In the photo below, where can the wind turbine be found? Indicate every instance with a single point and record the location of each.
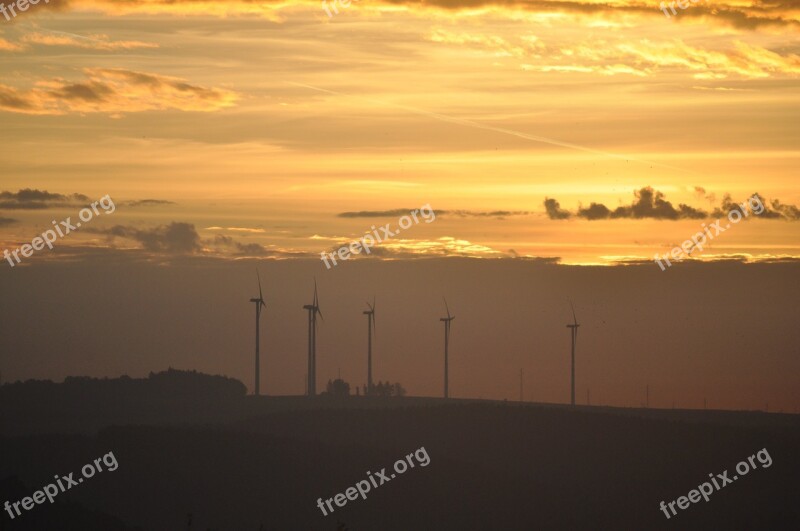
(370, 324)
(313, 310)
(259, 305)
(574, 333)
(446, 321)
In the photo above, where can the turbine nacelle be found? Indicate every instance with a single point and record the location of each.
(449, 317)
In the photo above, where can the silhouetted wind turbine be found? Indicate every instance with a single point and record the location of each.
(370, 323)
(313, 310)
(446, 321)
(574, 332)
(259, 305)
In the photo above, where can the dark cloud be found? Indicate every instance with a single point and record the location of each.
(7, 221)
(113, 90)
(701, 192)
(790, 212)
(554, 210)
(92, 92)
(652, 204)
(760, 207)
(594, 211)
(31, 199)
(649, 203)
(12, 100)
(175, 238)
(241, 249)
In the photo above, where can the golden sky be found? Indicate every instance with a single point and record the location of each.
(276, 118)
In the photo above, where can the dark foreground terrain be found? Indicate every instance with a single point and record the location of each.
(188, 444)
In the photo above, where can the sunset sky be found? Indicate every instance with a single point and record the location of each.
(254, 131)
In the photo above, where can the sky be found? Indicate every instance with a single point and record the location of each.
(563, 136)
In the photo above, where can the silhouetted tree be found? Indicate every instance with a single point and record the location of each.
(338, 387)
(388, 389)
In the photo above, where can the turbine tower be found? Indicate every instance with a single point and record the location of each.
(574, 332)
(446, 321)
(259, 305)
(370, 324)
(313, 310)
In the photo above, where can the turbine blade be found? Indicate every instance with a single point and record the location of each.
(446, 307)
(574, 319)
(260, 295)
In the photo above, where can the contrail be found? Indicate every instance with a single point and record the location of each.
(511, 132)
(39, 28)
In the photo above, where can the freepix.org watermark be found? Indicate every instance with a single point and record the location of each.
(698, 241)
(706, 489)
(60, 229)
(364, 486)
(343, 3)
(371, 239)
(62, 484)
(22, 5)
(683, 4)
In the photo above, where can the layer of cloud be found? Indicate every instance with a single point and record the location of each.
(114, 90)
(652, 204)
(620, 54)
(174, 238)
(743, 16)
(147, 203)
(181, 238)
(32, 199)
(7, 221)
(408, 248)
(236, 248)
(237, 229)
(399, 212)
(89, 42)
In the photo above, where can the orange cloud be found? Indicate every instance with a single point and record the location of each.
(8, 46)
(114, 90)
(91, 42)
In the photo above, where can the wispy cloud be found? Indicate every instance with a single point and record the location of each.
(397, 212)
(89, 42)
(114, 90)
(237, 229)
(8, 46)
(147, 203)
